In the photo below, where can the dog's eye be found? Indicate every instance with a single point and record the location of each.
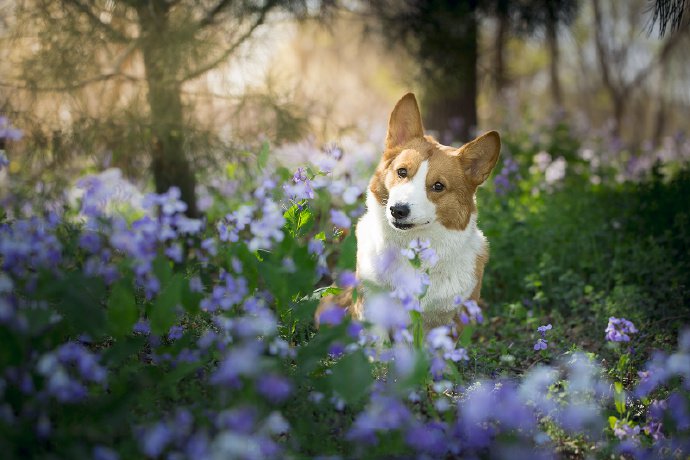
(402, 172)
(438, 187)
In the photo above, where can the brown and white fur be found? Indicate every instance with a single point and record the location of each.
(403, 205)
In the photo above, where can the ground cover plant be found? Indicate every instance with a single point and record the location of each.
(129, 330)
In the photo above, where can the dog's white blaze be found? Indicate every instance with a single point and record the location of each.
(413, 194)
(453, 275)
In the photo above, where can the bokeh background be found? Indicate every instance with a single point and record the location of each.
(168, 90)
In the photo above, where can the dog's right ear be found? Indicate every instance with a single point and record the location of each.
(405, 123)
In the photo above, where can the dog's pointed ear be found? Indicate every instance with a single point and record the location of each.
(479, 157)
(405, 123)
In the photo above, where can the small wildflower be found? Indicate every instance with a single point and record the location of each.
(340, 219)
(347, 279)
(540, 345)
(469, 310)
(618, 329)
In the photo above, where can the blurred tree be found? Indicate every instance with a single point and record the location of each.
(531, 16)
(622, 73)
(443, 34)
(165, 43)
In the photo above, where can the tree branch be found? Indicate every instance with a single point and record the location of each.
(73, 86)
(660, 57)
(232, 48)
(213, 12)
(96, 21)
(603, 55)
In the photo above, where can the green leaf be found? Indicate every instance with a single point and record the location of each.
(118, 353)
(348, 252)
(79, 298)
(351, 377)
(122, 309)
(417, 329)
(163, 314)
(262, 159)
(619, 398)
(466, 335)
(190, 299)
(162, 268)
(612, 421)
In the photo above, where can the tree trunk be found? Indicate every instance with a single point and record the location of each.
(169, 163)
(500, 78)
(554, 57)
(619, 103)
(451, 98)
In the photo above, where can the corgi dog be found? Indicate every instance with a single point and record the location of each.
(422, 189)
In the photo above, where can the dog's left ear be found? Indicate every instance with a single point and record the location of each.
(479, 157)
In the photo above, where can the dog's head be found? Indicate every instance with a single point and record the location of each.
(421, 182)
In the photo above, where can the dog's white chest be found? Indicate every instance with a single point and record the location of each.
(379, 260)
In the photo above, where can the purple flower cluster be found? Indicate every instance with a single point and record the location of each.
(68, 370)
(468, 310)
(421, 250)
(28, 245)
(301, 188)
(618, 330)
(229, 292)
(542, 343)
(264, 229)
(506, 178)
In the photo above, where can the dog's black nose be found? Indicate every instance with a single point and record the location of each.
(400, 211)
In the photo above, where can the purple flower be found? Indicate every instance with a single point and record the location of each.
(458, 354)
(267, 228)
(174, 252)
(540, 345)
(187, 226)
(315, 247)
(340, 219)
(301, 188)
(90, 241)
(384, 413)
(142, 327)
(618, 329)
(241, 420)
(421, 248)
(334, 151)
(85, 361)
(502, 181)
(175, 333)
(427, 438)
(274, 388)
(542, 329)
(336, 349)
(347, 279)
(104, 453)
(332, 316)
(239, 361)
(4, 161)
(385, 312)
(8, 132)
(170, 202)
(156, 439)
(470, 311)
(622, 429)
